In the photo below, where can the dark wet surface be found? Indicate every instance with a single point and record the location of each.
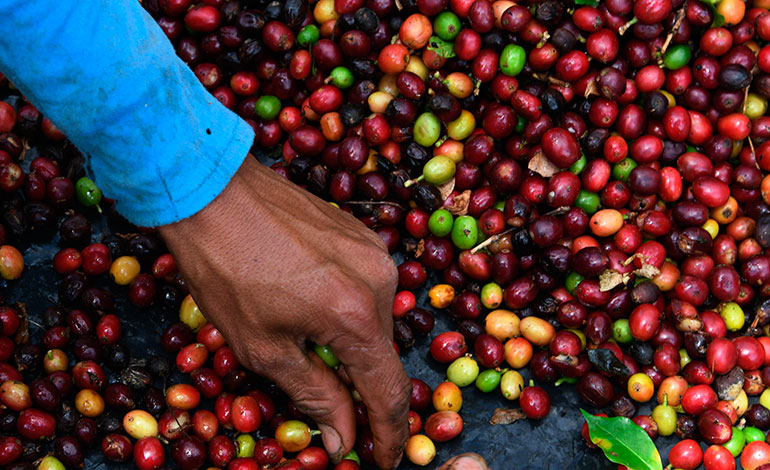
(551, 444)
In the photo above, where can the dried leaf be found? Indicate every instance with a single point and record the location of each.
(420, 248)
(24, 148)
(541, 165)
(410, 245)
(135, 377)
(610, 278)
(606, 361)
(565, 359)
(460, 203)
(446, 189)
(506, 416)
(647, 270)
(591, 89)
(22, 333)
(631, 258)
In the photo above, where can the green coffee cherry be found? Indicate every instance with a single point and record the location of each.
(427, 129)
(244, 445)
(737, 442)
(621, 331)
(511, 385)
(491, 295)
(579, 165)
(447, 26)
(677, 57)
(733, 315)
(50, 463)
(465, 232)
(342, 77)
(88, 193)
(622, 169)
(588, 201)
(488, 380)
(665, 418)
(463, 371)
(439, 170)
(268, 107)
(308, 35)
(327, 355)
(512, 60)
(440, 222)
(572, 281)
(751, 434)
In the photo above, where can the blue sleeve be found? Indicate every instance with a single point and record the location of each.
(103, 71)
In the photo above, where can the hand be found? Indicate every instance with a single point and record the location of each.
(273, 267)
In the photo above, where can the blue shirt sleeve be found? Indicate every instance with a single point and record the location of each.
(103, 71)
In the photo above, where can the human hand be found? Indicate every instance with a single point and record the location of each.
(273, 267)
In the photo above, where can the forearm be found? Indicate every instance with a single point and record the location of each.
(103, 72)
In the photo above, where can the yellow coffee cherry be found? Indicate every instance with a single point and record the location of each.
(124, 269)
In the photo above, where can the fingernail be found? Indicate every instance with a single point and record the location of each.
(332, 441)
(398, 460)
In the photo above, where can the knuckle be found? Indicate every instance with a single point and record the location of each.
(264, 362)
(355, 303)
(364, 322)
(262, 359)
(384, 271)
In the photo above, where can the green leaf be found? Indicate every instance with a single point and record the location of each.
(719, 20)
(590, 3)
(442, 48)
(623, 442)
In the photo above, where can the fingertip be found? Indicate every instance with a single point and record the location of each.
(332, 440)
(338, 428)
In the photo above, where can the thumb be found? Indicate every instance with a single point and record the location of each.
(318, 393)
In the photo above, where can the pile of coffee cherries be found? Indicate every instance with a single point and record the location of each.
(583, 182)
(70, 385)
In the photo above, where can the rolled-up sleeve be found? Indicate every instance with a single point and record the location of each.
(103, 71)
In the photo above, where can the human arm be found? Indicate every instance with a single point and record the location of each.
(333, 282)
(160, 145)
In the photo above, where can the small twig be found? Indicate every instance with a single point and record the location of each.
(751, 143)
(182, 427)
(24, 147)
(491, 240)
(755, 322)
(544, 39)
(375, 203)
(558, 211)
(543, 77)
(745, 99)
(622, 30)
(670, 35)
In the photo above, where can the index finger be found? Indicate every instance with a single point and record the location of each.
(380, 379)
